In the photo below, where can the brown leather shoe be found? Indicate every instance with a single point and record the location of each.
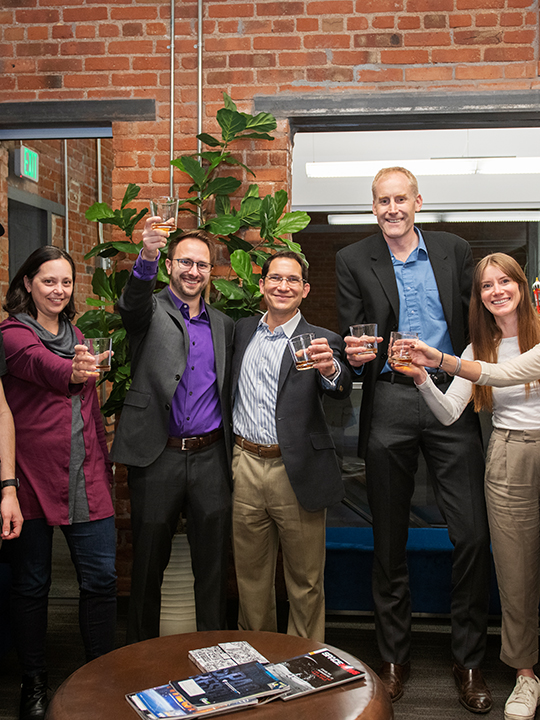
(393, 677)
(474, 694)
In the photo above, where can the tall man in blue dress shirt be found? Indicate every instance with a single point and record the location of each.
(409, 280)
(284, 462)
(175, 429)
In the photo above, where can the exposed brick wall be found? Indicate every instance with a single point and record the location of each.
(87, 49)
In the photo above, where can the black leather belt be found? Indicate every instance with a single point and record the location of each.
(394, 377)
(195, 443)
(263, 451)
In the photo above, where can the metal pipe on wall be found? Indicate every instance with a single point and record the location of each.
(199, 84)
(171, 129)
(66, 197)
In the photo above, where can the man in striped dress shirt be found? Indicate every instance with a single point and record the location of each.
(285, 468)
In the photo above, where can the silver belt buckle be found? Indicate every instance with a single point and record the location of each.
(184, 447)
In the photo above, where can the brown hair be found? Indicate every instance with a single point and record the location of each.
(19, 300)
(484, 332)
(202, 235)
(390, 171)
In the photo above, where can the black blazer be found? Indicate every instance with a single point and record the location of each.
(306, 445)
(367, 292)
(159, 344)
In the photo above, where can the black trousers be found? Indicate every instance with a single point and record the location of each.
(196, 484)
(401, 425)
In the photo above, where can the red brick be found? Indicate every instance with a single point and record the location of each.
(479, 72)
(36, 49)
(230, 9)
(303, 59)
(404, 57)
(332, 25)
(460, 21)
(331, 74)
(330, 7)
(6, 17)
(31, 17)
(511, 19)
(409, 22)
(38, 32)
(280, 75)
(430, 6)
(85, 31)
(477, 37)
(134, 79)
(152, 62)
(477, 4)
(530, 18)
(520, 3)
(129, 47)
(378, 40)
(18, 66)
(256, 27)
(307, 24)
(59, 65)
(226, 44)
(231, 77)
(18, 3)
(253, 60)
(85, 14)
(351, 57)
(283, 25)
(228, 27)
(39, 82)
(85, 81)
(523, 70)
(82, 48)
(456, 55)
(357, 23)
(14, 34)
(508, 54)
(279, 42)
(383, 21)
(429, 74)
(368, 7)
(435, 21)
(519, 37)
(487, 20)
(109, 30)
(134, 12)
(157, 28)
(267, 9)
(105, 63)
(427, 39)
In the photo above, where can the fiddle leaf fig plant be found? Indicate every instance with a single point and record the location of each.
(213, 199)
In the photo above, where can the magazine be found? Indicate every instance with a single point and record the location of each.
(314, 671)
(225, 655)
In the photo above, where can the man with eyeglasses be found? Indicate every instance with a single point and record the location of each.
(285, 467)
(175, 428)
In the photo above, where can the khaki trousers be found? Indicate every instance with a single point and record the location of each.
(265, 513)
(512, 495)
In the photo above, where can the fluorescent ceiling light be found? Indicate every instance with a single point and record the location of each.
(442, 217)
(435, 166)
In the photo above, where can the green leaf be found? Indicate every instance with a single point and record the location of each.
(191, 166)
(229, 160)
(250, 209)
(228, 102)
(131, 193)
(221, 186)
(94, 302)
(222, 205)
(241, 264)
(223, 224)
(263, 122)
(292, 222)
(229, 289)
(231, 123)
(101, 285)
(291, 245)
(236, 243)
(209, 140)
(280, 202)
(255, 136)
(252, 191)
(259, 257)
(98, 211)
(129, 248)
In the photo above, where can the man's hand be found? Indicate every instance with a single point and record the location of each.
(154, 239)
(355, 349)
(321, 353)
(12, 519)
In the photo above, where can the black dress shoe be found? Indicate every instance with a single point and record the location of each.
(393, 676)
(474, 694)
(34, 699)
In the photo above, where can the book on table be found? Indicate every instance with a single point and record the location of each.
(224, 655)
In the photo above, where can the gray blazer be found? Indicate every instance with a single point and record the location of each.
(367, 293)
(306, 445)
(159, 344)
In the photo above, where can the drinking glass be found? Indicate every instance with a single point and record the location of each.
(399, 352)
(165, 208)
(364, 331)
(298, 346)
(101, 349)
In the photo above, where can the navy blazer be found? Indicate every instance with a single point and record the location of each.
(304, 439)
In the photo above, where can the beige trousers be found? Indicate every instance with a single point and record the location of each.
(512, 488)
(265, 513)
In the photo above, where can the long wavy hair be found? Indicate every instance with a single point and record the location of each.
(484, 332)
(19, 300)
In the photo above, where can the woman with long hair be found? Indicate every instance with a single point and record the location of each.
(502, 325)
(62, 465)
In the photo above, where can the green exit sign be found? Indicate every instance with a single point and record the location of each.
(26, 163)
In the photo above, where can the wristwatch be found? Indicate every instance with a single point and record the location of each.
(12, 482)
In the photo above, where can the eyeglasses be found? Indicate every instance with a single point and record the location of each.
(187, 264)
(292, 280)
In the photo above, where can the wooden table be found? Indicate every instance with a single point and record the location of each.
(97, 690)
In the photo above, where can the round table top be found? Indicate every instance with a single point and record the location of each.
(98, 689)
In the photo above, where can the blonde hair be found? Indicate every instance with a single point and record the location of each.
(390, 171)
(484, 332)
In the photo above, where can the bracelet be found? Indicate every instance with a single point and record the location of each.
(442, 360)
(12, 482)
(457, 368)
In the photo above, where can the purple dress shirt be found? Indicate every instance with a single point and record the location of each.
(195, 406)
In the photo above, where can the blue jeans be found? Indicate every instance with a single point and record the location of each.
(93, 549)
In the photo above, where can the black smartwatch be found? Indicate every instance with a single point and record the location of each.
(12, 482)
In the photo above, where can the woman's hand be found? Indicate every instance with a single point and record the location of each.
(83, 366)
(424, 355)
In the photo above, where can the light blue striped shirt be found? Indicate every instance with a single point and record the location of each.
(254, 412)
